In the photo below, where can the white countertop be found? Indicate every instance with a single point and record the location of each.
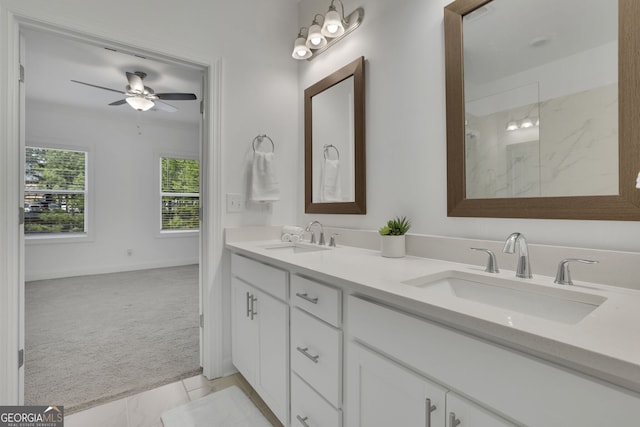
(604, 344)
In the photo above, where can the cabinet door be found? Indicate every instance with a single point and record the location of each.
(272, 317)
(381, 393)
(463, 413)
(244, 330)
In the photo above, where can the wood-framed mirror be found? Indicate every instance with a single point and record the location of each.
(334, 142)
(621, 201)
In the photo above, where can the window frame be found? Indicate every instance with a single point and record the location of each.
(55, 238)
(178, 156)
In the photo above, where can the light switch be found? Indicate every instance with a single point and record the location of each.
(235, 203)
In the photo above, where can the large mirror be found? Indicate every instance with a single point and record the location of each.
(334, 142)
(541, 100)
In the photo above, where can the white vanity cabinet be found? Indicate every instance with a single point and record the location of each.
(501, 387)
(260, 330)
(316, 354)
(383, 393)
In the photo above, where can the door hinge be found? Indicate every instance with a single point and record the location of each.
(20, 358)
(201, 107)
(21, 215)
(21, 79)
(202, 320)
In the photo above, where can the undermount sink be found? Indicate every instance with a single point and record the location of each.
(556, 304)
(294, 248)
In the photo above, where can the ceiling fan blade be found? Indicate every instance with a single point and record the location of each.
(176, 96)
(122, 101)
(165, 107)
(135, 82)
(96, 86)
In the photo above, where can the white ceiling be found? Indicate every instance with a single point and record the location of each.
(498, 37)
(52, 61)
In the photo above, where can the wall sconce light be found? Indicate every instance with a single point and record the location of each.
(525, 123)
(334, 27)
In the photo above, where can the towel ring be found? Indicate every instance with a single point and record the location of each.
(260, 138)
(326, 149)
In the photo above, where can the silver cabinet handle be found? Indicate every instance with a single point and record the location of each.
(305, 351)
(306, 297)
(248, 304)
(453, 421)
(303, 421)
(430, 409)
(253, 312)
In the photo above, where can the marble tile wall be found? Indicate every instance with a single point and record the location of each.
(572, 152)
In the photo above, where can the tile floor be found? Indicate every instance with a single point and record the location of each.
(144, 409)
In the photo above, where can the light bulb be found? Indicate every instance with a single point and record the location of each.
(512, 125)
(300, 49)
(316, 40)
(526, 123)
(140, 103)
(332, 26)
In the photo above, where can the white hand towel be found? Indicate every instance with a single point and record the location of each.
(264, 182)
(286, 237)
(330, 190)
(292, 229)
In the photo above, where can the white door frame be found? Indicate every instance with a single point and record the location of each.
(11, 268)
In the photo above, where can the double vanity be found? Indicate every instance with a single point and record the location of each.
(340, 336)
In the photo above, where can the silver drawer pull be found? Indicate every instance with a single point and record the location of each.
(253, 301)
(248, 304)
(305, 351)
(453, 421)
(306, 297)
(430, 409)
(303, 421)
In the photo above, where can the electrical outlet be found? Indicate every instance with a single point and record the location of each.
(235, 202)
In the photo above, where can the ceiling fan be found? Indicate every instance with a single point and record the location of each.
(143, 98)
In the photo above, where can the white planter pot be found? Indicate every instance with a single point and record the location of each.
(393, 246)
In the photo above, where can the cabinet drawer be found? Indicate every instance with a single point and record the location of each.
(316, 350)
(308, 407)
(270, 279)
(318, 299)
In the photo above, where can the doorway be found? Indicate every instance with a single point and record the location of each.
(208, 195)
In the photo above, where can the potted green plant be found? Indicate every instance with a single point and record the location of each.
(393, 237)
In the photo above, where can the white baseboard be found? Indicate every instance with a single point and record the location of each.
(100, 269)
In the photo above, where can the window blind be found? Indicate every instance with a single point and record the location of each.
(180, 194)
(55, 190)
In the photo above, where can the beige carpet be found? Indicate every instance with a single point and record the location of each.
(91, 339)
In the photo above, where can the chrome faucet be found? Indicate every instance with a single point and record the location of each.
(563, 276)
(313, 236)
(523, 268)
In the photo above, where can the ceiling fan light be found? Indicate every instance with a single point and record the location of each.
(140, 103)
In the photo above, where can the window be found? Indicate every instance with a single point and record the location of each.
(180, 194)
(55, 191)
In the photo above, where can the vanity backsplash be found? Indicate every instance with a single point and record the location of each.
(615, 268)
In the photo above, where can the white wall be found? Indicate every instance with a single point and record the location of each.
(123, 191)
(252, 41)
(403, 44)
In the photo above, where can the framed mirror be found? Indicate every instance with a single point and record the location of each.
(542, 109)
(334, 142)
